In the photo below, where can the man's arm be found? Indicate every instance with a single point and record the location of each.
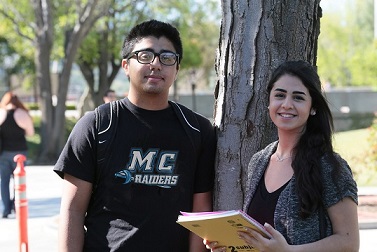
(74, 203)
(202, 202)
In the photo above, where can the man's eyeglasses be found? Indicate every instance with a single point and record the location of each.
(147, 57)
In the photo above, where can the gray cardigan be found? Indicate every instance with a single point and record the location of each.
(286, 217)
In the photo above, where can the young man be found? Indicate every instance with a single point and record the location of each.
(161, 160)
(109, 96)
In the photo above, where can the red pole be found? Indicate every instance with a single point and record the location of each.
(21, 203)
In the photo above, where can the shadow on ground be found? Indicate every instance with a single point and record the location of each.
(45, 207)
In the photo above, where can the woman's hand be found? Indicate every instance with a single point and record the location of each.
(277, 241)
(212, 246)
(253, 238)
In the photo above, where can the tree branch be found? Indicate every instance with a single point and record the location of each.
(16, 22)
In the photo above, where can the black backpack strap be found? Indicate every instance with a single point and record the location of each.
(189, 121)
(106, 125)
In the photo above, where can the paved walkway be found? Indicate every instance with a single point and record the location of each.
(43, 193)
(43, 189)
(367, 210)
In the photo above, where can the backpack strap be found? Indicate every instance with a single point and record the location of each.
(189, 121)
(106, 116)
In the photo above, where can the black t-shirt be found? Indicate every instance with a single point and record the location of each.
(152, 174)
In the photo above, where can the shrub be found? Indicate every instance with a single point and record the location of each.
(371, 158)
(35, 141)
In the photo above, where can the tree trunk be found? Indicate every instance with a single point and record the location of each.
(255, 37)
(85, 103)
(107, 67)
(91, 97)
(43, 44)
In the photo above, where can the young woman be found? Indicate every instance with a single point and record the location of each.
(303, 191)
(15, 124)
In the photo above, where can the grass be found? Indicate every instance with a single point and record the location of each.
(353, 146)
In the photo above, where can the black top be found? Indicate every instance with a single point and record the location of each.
(12, 135)
(263, 204)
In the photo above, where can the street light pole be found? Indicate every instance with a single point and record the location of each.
(193, 87)
(375, 19)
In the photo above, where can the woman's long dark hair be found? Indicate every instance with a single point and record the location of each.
(9, 97)
(316, 140)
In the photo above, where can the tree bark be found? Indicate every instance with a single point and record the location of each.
(255, 37)
(43, 44)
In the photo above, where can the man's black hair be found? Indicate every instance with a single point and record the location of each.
(153, 28)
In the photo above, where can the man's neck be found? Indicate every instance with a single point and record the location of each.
(150, 102)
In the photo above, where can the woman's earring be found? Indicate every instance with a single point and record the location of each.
(312, 112)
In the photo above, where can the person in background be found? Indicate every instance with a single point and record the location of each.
(15, 125)
(154, 170)
(109, 96)
(298, 186)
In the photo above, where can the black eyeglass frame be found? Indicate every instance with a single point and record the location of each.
(154, 56)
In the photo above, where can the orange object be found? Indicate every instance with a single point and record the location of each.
(21, 203)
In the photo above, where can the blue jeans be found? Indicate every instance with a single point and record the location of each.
(7, 166)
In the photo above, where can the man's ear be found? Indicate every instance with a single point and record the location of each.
(125, 66)
(176, 74)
